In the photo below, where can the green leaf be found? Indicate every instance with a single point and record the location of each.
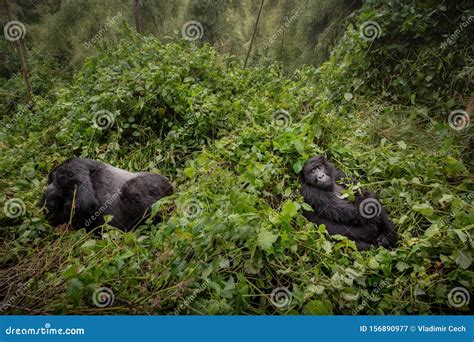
(424, 209)
(88, 244)
(402, 266)
(318, 307)
(316, 289)
(327, 246)
(402, 144)
(290, 209)
(71, 272)
(190, 171)
(373, 264)
(446, 198)
(464, 259)
(266, 239)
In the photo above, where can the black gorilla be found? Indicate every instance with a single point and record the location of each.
(364, 221)
(81, 191)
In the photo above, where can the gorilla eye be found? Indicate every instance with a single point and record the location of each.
(316, 169)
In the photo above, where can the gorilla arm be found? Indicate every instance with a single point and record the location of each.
(364, 237)
(328, 205)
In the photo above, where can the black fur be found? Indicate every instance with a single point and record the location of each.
(339, 215)
(97, 189)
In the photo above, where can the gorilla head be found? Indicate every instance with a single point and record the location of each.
(82, 191)
(318, 172)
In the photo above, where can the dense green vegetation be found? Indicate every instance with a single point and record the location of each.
(233, 141)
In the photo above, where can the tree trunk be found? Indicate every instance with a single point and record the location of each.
(254, 33)
(136, 14)
(21, 56)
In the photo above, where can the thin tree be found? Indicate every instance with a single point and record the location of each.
(21, 56)
(136, 15)
(254, 33)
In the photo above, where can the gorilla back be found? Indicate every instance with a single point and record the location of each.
(82, 191)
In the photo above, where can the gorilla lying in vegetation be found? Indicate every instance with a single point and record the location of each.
(364, 221)
(82, 191)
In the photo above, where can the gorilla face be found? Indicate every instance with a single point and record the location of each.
(319, 172)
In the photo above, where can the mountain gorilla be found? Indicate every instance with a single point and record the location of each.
(82, 191)
(364, 221)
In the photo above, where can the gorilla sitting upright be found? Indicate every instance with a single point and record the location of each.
(82, 191)
(364, 221)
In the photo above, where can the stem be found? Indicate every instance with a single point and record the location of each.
(253, 35)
